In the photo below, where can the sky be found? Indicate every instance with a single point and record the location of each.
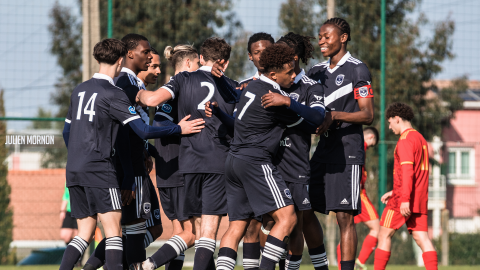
(28, 71)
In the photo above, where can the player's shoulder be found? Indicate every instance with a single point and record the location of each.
(125, 79)
(317, 68)
(412, 135)
(247, 80)
(308, 81)
(231, 80)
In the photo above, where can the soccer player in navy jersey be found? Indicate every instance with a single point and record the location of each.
(257, 133)
(170, 182)
(90, 132)
(337, 161)
(204, 181)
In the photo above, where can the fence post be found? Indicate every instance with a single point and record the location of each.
(445, 232)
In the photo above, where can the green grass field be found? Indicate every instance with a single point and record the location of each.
(303, 267)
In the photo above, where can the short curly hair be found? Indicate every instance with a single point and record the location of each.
(274, 57)
(258, 37)
(214, 49)
(401, 110)
(301, 44)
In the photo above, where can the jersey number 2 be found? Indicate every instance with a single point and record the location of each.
(252, 98)
(211, 90)
(90, 103)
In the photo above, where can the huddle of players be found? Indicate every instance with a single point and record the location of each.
(280, 104)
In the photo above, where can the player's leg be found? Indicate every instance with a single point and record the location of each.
(251, 245)
(369, 217)
(227, 254)
(417, 224)
(113, 238)
(295, 245)
(154, 223)
(348, 237)
(69, 228)
(176, 263)
(314, 238)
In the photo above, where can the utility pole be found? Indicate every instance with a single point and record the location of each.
(330, 9)
(382, 149)
(90, 36)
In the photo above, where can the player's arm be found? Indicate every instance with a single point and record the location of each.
(66, 128)
(406, 152)
(211, 108)
(146, 132)
(168, 91)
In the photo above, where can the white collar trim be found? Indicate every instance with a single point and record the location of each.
(267, 80)
(206, 68)
(129, 71)
(257, 75)
(299, 76)
(339, 64)
(103, 77)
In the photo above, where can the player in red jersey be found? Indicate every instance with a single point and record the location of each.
(407, 202)
(369, 215)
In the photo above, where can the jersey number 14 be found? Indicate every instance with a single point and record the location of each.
(89, 108)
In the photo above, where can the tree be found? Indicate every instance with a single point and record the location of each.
(42, 124)
(166, 22)
(6, 221)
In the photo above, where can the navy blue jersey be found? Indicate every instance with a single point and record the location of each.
(258, 130)
(166, 166)
(97, 108)
(256, 76)
(293, 157)
(203, 152)
(129, 144)
(343, 85)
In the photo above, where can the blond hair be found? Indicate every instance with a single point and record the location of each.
(176, 55)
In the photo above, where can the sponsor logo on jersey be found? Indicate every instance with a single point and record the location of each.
(339, 79)
(306, 201)
(344, 201)
(167, 108)
(351, 156)
(284, 142)
(131, 109)
(363, 91)
(318, 97)
(156, 213)
(146, 207)
(287, 193)
(295, 96)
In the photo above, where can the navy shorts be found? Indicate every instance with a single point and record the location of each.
(335, 187)
(155, 216)
(254, 189)
(69, 222)
(140, 207)
(204, 194)
(89, 201)
(172, 199)
(300, 197)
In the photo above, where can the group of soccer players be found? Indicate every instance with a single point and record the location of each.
(237, 148)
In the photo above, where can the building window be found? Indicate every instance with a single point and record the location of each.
(461, 166)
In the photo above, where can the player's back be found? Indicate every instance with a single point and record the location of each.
(203, 152)
(96, 110)
(258, 130)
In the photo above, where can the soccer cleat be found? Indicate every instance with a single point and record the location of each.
(359, 265)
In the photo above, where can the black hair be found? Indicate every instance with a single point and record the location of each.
(275, 56)
(153, 51)
(257, 37)
(374, 131)
(301, 44)
(132, 40)
(400, 109)
(109, 51)
(341, 24)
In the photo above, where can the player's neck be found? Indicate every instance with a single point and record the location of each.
(109, 70)
(297, 68)
(337, 57)
(405, 126)
(129, 65)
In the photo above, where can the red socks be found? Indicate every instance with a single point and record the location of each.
(430, 260)
(369, 244)
(339, 256)
(381, 259)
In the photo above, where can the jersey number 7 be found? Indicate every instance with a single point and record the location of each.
(90, 103)
(252, 98)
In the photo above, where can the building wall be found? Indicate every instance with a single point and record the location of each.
(463, 201)
(36, 197)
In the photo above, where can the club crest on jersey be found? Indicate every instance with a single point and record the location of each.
(167, 108)
(339, 79)
(287, 193)
(131, 109)
(156, 213)
(295, 96)
(146, 207)
(363, 91)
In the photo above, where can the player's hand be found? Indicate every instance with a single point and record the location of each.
(275, 99)
(193, 126)
(326, 124)
(127, 196)
(210, 108)
(219, 67)
(386, 197)
(405, 209)
(62, 215)
(243, 85)
(149, 164)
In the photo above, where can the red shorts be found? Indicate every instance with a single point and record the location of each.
(392, 219)
(368, 211)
